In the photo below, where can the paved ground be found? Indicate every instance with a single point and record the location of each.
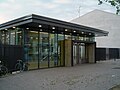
(100, 76)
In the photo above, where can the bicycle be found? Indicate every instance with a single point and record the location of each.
(21, 66)
(3, 69)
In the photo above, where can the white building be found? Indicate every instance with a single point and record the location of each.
(105, 21)
(107, 47)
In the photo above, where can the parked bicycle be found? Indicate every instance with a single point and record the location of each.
(21, 66)
(3, 69)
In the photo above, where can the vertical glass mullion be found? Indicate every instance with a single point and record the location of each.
(38, 49)
(5, 38)
(48, 47)
(15, 37)
(9, 36)
(41, 47)
(55, 50)
(57, 47)
(0, 37)
(1, 42)
(59, 56)
(64, 49)
(24, 42)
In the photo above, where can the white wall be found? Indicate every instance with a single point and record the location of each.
(104, 21)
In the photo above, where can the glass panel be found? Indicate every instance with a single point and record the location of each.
(12, 37)
(3, 37)
(43, 49)
(86, 38)
(51, 53)
(74, 53)
(60, 49)
(0, 37)
(53, 50)
(74, 37)
(81, 38)
(19, 36)
(82, 45)
(92, 38)
(7, 37)
(68, 37)
(31, 47)
(79, 56)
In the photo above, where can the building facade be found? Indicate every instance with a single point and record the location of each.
(44, 42)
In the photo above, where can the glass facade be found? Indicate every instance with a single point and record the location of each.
(42, 48)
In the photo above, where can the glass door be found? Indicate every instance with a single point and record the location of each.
(78, 53)
(53, 56)
(82, 52)
(43, 49)
(32, 49)
(74, 53)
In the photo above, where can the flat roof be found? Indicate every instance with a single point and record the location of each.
(34, 20)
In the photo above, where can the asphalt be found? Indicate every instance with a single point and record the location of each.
(100, 76)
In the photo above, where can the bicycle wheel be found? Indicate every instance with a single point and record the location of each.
(4, 70)
(18, 67)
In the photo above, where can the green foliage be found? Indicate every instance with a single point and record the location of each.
(115, 3)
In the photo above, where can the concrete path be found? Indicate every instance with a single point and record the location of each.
(100, 76)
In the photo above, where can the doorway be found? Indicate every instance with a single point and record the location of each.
(78, 53)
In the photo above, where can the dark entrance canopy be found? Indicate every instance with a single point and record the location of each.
(34, 21)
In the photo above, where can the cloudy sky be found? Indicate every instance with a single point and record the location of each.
(59, 9)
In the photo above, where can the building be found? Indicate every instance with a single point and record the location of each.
(44, 42)
(108, 47)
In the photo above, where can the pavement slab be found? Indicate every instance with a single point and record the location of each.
(100, 76)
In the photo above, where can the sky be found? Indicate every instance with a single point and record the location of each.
(65, 10)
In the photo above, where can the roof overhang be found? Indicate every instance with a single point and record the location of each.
(33, 19)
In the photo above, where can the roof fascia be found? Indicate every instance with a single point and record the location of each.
(68, 25)
(16, 22)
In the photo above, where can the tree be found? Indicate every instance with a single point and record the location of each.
(115, 3)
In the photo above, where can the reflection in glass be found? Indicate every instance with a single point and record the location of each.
(74, 37)
(60, 49)
(53, 56)
(82, 51)
(68, 37)
(43, 49)
(31, 47)
(7, 37)
(3, 37)
(19, 37)
(12, 37)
